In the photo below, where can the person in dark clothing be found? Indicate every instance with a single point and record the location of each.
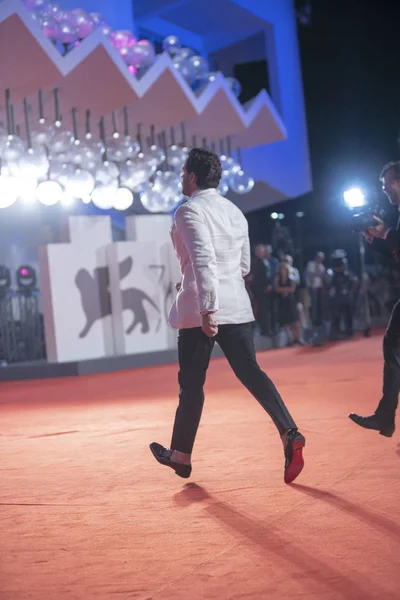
(263, 270)
(341, 294)
(386, 241)
(285, 288)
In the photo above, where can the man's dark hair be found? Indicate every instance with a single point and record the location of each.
(206, 166)
(394, 165)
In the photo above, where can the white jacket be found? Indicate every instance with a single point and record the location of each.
(211, 240)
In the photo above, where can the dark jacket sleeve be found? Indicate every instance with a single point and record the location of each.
(390, 247)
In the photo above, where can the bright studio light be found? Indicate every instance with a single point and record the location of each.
(274, 216)
(354, 198)
(49, 192)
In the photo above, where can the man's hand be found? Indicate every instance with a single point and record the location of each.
(209, 325)
(379, 230)
(368, 236)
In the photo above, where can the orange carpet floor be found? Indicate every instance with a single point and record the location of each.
(86, 512)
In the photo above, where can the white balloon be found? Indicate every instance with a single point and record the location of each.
(49, 192)
(154, 156)
(34, 163)
(183, 54)
(8, 190)
(27, 189)
(97, 18)
(66, 199)
(123, 199)
(229, 166)
(151, 199)
(107, 173)
(176, 156)
(171, 44)
(12, 148)
(198, 66)
(168, 184)
(240, 183)
(136, 172)
(121, 148)
(235, 86)
(223, 187)
(183, 68)
(80, 184)
(42, 133)
(61, 171)
(62, 141)
(103, 196)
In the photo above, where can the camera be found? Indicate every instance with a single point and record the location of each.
(361, 221)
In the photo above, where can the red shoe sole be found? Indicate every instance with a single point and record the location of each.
(297, 463)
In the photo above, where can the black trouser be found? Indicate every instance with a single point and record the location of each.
(194, 351)
(266, 313)
(391, 370)
(339, 310)
(316, 306)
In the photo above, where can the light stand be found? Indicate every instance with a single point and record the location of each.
(364, 287)
(355, 198)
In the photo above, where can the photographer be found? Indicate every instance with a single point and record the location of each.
(341, 295)
(386, 241)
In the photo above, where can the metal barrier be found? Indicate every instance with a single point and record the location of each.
(21, 328)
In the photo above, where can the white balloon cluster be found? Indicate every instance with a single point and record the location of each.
(233, 177)
(69, 28)
(58, 168)
(194, 68)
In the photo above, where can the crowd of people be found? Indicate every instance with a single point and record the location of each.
(323, 301)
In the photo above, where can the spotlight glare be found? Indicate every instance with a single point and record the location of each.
(274, 215)
(354, 198)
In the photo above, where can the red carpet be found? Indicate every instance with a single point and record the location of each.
(86, 512)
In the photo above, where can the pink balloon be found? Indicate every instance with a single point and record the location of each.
(83, 22)
(51, 28)
(126, 54)
(68, 33)
(54, 11)
(123, 38)
(35, 4)
(142, 55)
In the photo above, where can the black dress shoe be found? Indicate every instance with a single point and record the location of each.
(294, 461)
(373, 422)
(163, 456)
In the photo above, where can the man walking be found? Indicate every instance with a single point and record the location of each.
(386, 241)
(210, 236)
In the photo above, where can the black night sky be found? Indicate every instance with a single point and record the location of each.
(350, 57)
